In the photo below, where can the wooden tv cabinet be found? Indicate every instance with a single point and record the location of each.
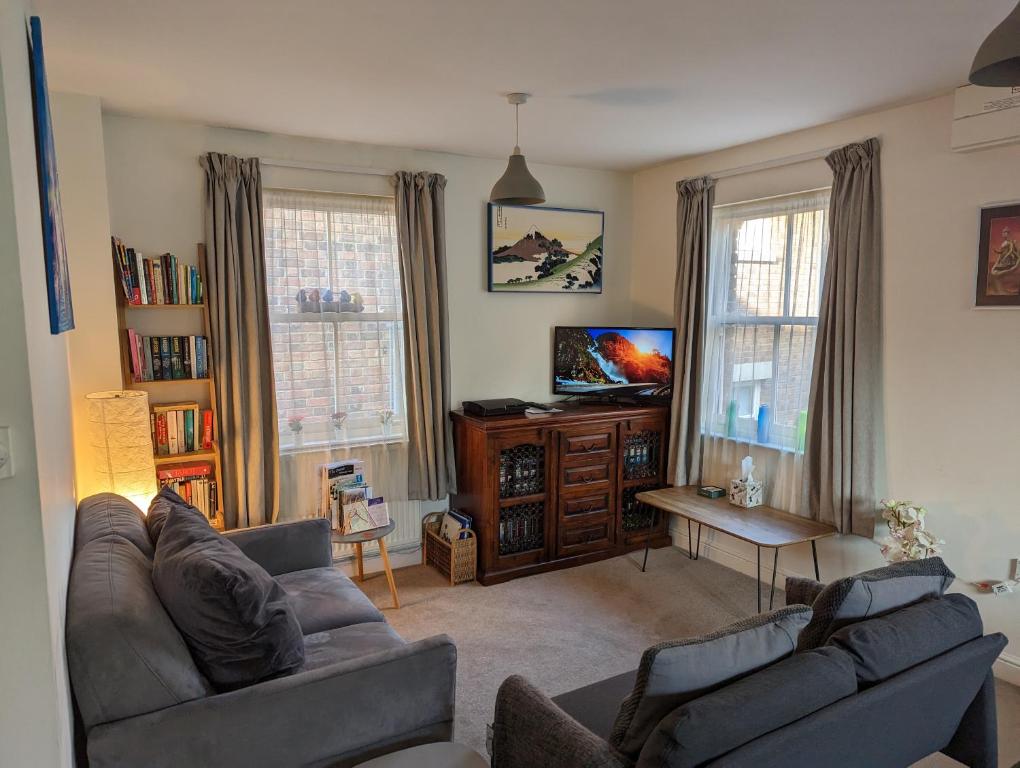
(558, 490)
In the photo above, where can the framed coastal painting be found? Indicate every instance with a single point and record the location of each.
(58, 280)
(535, 249)
(998, 281)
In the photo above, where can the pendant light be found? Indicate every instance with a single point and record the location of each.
(517, 186)
(997, 63)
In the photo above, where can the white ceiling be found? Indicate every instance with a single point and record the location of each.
(616, 83)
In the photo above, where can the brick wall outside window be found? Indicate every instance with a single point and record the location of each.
(327, 361)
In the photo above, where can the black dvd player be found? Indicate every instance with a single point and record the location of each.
(502, 406)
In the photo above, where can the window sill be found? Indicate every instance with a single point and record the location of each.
(755, 444)
(319, 445)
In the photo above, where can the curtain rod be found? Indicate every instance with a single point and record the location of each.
(778, 162)
(311, 166)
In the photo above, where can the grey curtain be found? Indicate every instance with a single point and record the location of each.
(239, 340)
(844, 406)
(695, 198)
(421, 235)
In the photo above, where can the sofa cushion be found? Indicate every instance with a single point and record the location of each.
(124, 654)
(885, 646)
(160, 507)
(335, 645)
(324, 598)
(873, 593)
(234, 617)
(676, 672)
(595, 706)
(723, 720)
(107, 514)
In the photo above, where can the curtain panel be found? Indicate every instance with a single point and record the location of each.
(421, 238)
(844, 409)
(695, 198)
(239, 339)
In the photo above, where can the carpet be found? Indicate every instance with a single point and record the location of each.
(563, 629)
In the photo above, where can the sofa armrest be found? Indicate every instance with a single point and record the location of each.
(801, 591)
(285, 547)
(530, 730)
(332, 715)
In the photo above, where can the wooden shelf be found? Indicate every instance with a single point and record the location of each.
(184, 458)
(158, 392)
(169, 381)
(163, 306)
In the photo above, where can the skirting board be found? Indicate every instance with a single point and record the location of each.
(1006, 667)
(400, 557)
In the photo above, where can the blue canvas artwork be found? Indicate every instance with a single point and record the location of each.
(58, 281)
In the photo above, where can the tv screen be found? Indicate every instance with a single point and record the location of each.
(615, 362)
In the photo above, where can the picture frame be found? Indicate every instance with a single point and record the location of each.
(544, 249)
(58, 279)
(998, 273)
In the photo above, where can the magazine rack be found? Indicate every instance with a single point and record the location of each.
(455, 559)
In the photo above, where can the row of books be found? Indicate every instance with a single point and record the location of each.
(194, 483)
(347, 500)
(163, 358)
(455, 525)
(158, 280)
(180, 428)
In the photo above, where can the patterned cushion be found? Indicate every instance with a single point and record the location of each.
(674, 673)
(873, 593)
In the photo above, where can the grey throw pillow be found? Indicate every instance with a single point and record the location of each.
(719, 722)
(233, 615)
(890, 644)
(160, 507)
(673, 673)
(873, 593)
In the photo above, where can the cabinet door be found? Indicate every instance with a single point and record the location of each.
(643, 444)
(524, 489)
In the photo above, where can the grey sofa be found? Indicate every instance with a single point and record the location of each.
(140, 699)
(940, 702)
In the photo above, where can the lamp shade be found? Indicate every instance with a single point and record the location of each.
(122, 444)
(517, 186)
(997, 63)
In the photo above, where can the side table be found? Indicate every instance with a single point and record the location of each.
(362, 537)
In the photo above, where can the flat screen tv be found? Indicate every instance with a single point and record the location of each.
(613, 362)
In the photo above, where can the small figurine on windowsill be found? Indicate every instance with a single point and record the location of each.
(349, 303)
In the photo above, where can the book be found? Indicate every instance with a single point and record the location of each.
(336, 477)
(207, 429)
(165, 357)
(354, 510)
(172, 439)
(186, 357)
(192, 349)
(142, 290)
(157, 360)
(184, 471)
(162, 443)
(176, 360)
(189, 430)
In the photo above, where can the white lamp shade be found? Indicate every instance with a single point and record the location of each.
(122, 444)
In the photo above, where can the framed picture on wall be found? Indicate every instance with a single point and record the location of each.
(58, 281)
(998, 275)
(535, 249)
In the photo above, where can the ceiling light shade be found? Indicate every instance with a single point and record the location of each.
(517, 186)
(122, 445)
(997, 63)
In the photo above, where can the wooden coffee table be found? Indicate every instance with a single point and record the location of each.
(762, 526)
(374, 534)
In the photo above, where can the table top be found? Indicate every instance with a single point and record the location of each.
(763, 526)
(372, 534)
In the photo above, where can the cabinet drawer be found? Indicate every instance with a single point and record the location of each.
(590, 537)
(583, 474)
(598, 503)
(585, 443)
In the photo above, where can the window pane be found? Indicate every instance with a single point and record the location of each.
(764, 291)
(333, 280)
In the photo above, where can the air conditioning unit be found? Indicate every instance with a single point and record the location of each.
(985, 117)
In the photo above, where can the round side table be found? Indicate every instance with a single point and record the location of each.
(375, 534)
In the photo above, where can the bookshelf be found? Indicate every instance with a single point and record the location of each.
(173, 320)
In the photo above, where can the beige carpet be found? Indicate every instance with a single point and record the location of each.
(569, 628)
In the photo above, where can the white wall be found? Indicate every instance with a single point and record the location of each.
(37, 504)
(501, 344)
(78, 136)
(950, 370)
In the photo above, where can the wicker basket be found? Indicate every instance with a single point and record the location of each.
(455, 559)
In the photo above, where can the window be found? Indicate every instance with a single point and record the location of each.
(333, 279)
(765, 284)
